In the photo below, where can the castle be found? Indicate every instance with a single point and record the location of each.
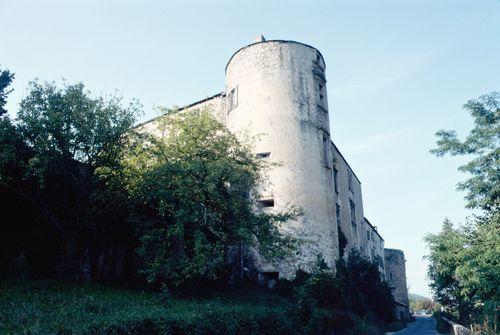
(276, 90)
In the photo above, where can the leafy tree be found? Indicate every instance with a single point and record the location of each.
(465, 268)
(71, 137)
(464, 262)
(446, 255)
(194, 188)
(483, 142)
(6, 78)
(354, 293)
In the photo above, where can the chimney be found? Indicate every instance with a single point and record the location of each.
(260, 38)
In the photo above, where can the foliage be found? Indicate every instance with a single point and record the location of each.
(50, 165)
(355, 295)
(464, 268)
(50, 308)
(419, 303)
(464, 262)
(483, 142)
(193, 190)
(6, 78)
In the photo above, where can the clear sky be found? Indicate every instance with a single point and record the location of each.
(397, 71)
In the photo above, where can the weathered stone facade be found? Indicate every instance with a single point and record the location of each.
(276, 92)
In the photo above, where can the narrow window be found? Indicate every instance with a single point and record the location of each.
(232, 99)
(335, 182)
(266, 203)
(320, 87)
(325, 150)
(349, 178)
(263, 155)
(353, 218)
(368, 235)
(337, 213)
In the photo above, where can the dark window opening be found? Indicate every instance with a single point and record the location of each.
(325, 150)
(232, 99)
(335, 182)
(353, 219)
(266, 203)
(349, 178)
(263, 155)
(337, 213)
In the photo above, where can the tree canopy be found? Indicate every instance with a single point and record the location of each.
(483, 144)
(195, 187)
(464, 261)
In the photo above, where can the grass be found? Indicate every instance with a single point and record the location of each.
(54, 308)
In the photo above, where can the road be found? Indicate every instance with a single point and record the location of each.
(423, 325)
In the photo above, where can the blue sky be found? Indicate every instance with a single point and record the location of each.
(397, 71)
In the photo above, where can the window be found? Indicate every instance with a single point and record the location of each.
(368, 235)
(335, 182)
(232, 99)
(337, 213)
(390, 275)
(266, 203)
(353, 218)
(320, 89)
(263, 155)
(349, 178)
(325, 150)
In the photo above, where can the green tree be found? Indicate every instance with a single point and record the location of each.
(71, 137)
(6, 78)
(445, 256)
(194, 188)
(483, 142)
(464, 262)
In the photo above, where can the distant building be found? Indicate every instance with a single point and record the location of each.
(276, 90)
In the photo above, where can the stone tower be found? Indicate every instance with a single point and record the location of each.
(276, 91)
(395, 271)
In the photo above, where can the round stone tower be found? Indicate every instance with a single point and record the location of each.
(395, 271)
(276, 92)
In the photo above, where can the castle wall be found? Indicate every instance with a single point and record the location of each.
(214, 104)
(373, 246)
(281, 99)
(344, 196)
(275, 91)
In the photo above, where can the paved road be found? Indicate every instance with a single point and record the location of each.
(423, 325)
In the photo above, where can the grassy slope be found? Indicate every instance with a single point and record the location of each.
(49, 308)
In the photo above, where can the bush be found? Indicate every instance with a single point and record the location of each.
(353, 297)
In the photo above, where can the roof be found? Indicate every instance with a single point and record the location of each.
(182, 108)
(274, 41)
(345, 160)
(374, 228)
